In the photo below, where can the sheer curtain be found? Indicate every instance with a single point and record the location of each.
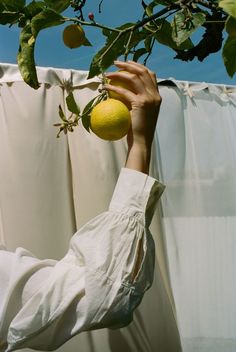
(50, 187)
(197, 159)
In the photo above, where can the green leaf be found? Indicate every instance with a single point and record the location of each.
(86, 122)
(113, 48)
(230, 26)
(61, 114)
(10, 11)
(71, 104)
(182, 28)
(106, 56)
(138, 53)
(29, 11)
(86, 42)
(148, 42)
(149, 8)
(44, 19)
(229, 6)
(117, 44)
(106, 32)
(137, 36)
(13, 5)
(89, 106)
(25, 57)
(59, 5)
(88, 109)
(199, 18)
(164, 2)
(229, 55)
(33, 8)
(7, 17)
(164, 36)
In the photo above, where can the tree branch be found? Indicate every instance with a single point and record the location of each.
(156, 15)
(91, 24)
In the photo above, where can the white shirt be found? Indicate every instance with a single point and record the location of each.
(43, 303)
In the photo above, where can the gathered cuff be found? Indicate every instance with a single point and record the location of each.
(136, 194)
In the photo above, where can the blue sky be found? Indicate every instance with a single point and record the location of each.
(50, 50)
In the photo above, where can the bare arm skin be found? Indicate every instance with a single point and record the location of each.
(145, 102)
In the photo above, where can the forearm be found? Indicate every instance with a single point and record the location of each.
(138, 158)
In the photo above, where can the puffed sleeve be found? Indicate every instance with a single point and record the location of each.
(99, 282)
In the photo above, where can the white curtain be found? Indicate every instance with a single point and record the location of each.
(49, 187)
(197, 158)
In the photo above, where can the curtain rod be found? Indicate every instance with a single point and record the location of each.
(171, 82)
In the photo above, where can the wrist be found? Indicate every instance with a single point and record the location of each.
(138, 157)
(139, 142)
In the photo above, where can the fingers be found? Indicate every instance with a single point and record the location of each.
(139, 85)
(127, 94)
(139, 78)
(130, 80)
(147, 76)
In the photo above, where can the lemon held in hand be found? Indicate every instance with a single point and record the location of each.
(73, 36)
(119, 83)
(110, 120)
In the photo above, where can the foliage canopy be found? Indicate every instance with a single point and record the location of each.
(165, 22)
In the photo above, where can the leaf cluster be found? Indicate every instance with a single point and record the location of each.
(166, 22)
(170, 23)
(32, 18)
(68, 124)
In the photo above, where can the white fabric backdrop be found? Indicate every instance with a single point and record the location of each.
(49, 187)
(197, 147)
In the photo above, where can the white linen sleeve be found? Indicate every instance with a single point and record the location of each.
(99, 283)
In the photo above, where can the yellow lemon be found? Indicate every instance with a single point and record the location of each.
(119, 83)
(73, 36)
(110, 120)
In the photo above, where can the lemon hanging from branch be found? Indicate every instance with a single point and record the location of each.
(119, 83)
(110, 120)
(73, 36)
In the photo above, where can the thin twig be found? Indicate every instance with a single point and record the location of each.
(127, 44)
(156, 15)
(100, 7)
(92, 24)
(207, 4)
(110, 46)
(150, 51)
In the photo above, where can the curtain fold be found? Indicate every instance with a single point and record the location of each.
(50, 187)
(197, 159)
(35, 175)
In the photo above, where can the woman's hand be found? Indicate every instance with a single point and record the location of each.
(144, 99)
